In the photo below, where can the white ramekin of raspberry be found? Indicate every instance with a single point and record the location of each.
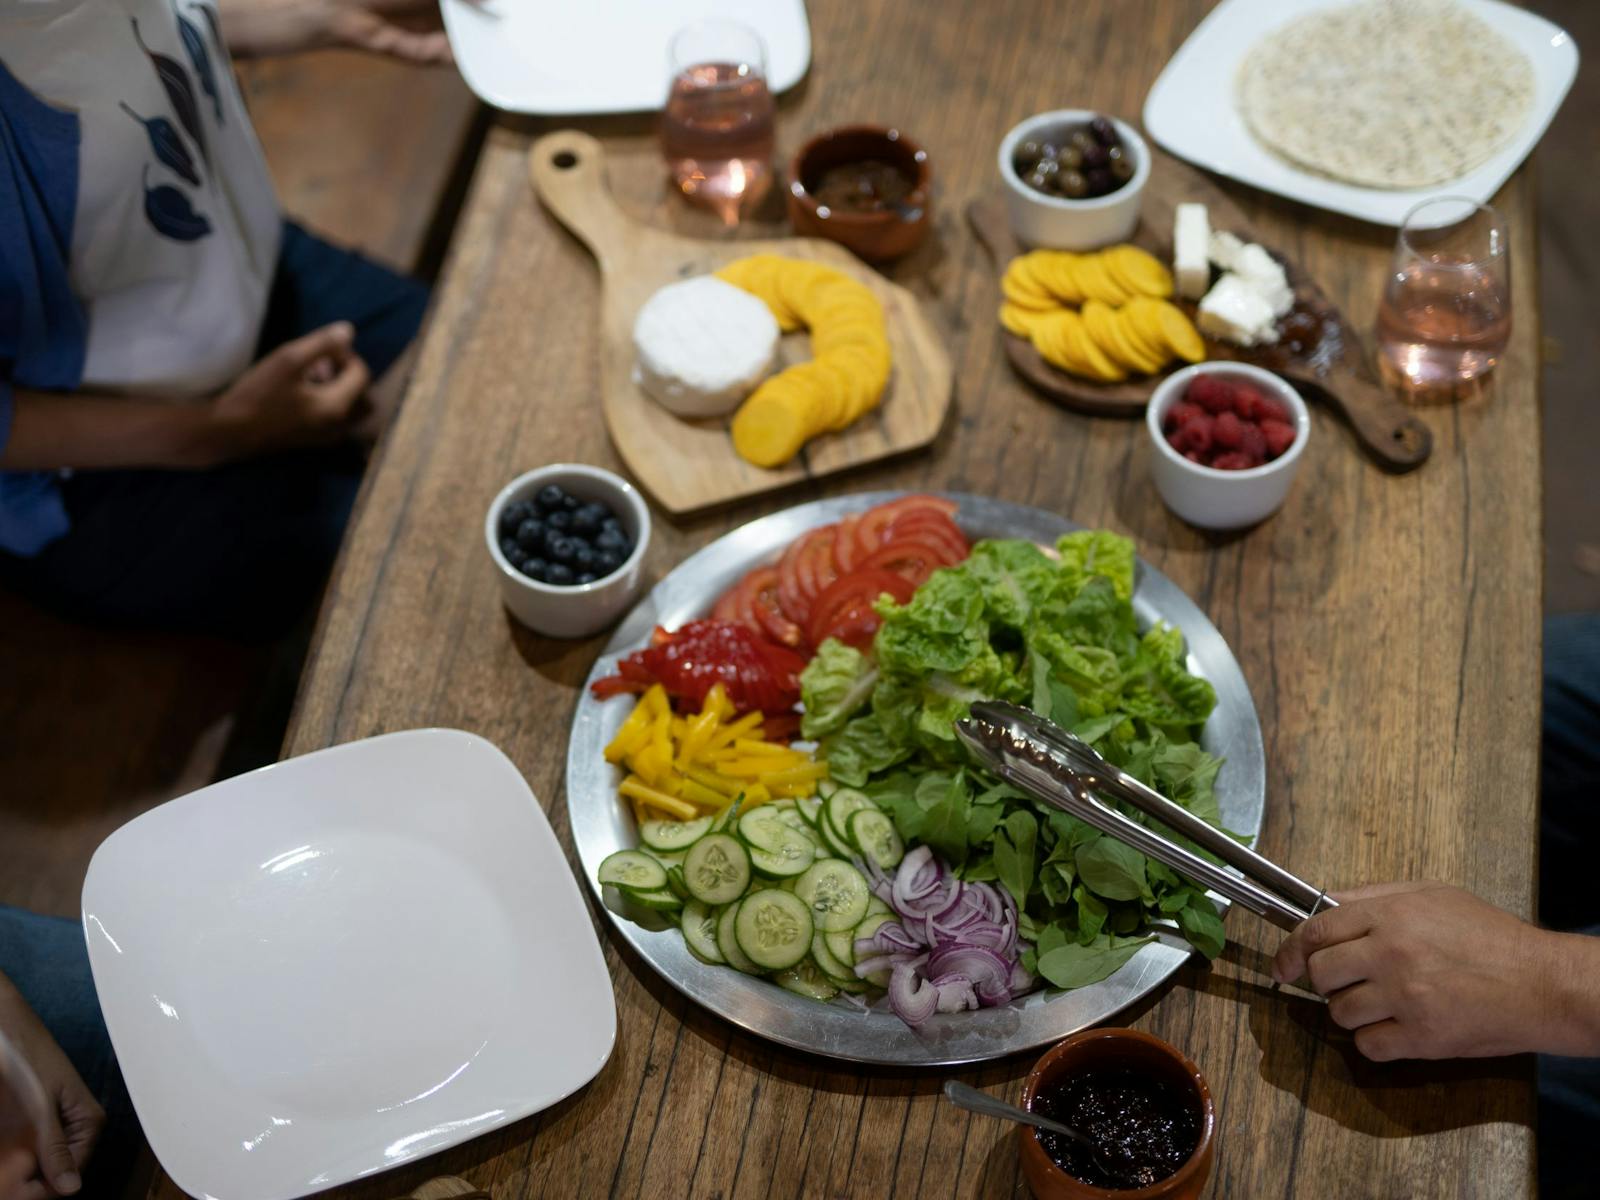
(1227, 440)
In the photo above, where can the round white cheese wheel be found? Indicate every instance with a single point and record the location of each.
(703, 345)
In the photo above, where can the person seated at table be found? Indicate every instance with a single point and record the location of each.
(180, 368)
(49, 1014)
(1422, 970)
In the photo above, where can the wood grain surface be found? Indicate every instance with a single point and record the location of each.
(1389, 628)
(688, 466)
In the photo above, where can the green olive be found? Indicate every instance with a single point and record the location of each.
(1072, 184)
(1071, 158)
(1082, 139)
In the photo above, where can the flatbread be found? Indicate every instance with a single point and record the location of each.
(1386, 93)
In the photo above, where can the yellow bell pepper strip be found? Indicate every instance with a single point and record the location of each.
(631, 736)
(695, 738)
(737, 729)
(804, 776)
(636, 789)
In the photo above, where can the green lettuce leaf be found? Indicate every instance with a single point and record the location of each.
(836, 682)
(1075, 966)
(860, 750)
(1092, 552)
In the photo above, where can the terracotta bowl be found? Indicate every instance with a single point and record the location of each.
(1095, 1048)
(874, 236)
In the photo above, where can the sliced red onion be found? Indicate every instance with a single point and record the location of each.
(887, 962)
(1021, 980)
(989, 937)
(913, 998)
(981, 966)
(954, 993)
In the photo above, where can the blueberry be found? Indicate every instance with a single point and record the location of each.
(611, 523)
(559, 521)
(530, 534)
(570, 502)
(613, 540)
(550, 497)
(513, 515)
(536, 568)
(561, 549)
(606, 561)
(513, 552)
(558, 575)
(583, 557)
(585, 577)
(587, 520)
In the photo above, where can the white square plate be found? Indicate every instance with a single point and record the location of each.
(1191, 112)
(558, 57)
(342, 962)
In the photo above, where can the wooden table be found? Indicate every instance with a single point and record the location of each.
(1389, 628)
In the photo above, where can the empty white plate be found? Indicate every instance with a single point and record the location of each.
(603, 56)
(1191, 112)
(342, 962)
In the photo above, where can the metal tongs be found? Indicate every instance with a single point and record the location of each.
(1065, 772)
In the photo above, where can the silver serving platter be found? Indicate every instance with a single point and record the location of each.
(601, 824)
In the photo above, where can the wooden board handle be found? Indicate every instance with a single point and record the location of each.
(568, 169)
(1391, 434)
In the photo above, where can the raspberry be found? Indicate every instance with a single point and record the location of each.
(1252, 442)
(1279, 436)
(1196, 435)
(1227, 430)
(1272, 409)
(1193, 457)
(1175, 439)
(1234, 460)
(1210, 393)
(1248, 402)
(1180, 414)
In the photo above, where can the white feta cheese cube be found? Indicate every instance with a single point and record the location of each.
(1191, 242)
(1235, 311)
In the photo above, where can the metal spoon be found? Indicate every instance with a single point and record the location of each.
(971, 1099)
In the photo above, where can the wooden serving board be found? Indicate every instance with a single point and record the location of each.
(1332, 367)
(691, 465)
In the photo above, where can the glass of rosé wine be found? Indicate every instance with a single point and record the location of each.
(1445, 316)
(717, 127)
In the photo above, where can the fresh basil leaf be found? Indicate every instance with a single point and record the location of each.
(1112, 870)
(1014, 854)
(1092, 914)
(944, 826)
(1202, 925)
(1075, 966)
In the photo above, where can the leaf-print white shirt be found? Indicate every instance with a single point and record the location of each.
(176, 230)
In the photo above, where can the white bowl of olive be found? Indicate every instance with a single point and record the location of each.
(1074, 179)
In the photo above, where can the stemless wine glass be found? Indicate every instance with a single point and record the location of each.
(717, 128)
(1445, 317)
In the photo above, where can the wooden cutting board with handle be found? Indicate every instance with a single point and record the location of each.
(686, 465)
(1331, 366)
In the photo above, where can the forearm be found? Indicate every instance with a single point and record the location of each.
(1570, 975)
(70, 429)
(256, 28)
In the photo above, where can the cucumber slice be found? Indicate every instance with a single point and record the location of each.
(728, 942)
(874, 835)
(783, 805)
(808, 981)
(837, 846)
(717, 869)
(826, 788)
(668, 836)
(792, 818)
(699, 927)
(773, 928)
(875, 905)
(790, 857)
(809, 808)
(842, 945)
(633, 871)
(840, 806)
(836, 892)
(662, 900)
(869, 926)
(855, 986)
(667, 860)
(827, 961)
(762, 828)
(727, 816)
(676, 883)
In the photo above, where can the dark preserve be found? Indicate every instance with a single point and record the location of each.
(867, 186)
(1144, 1128)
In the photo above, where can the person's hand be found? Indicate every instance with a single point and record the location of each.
(410, 30)
(1423, 970)
(68, 1132)
(307, 392)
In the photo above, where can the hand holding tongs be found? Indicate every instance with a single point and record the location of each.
(1065, 772)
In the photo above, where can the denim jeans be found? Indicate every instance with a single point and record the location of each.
(45, 957)
(1569, 836)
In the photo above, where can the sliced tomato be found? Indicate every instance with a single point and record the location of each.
(857, 590)
(932, 527)
(844, 545)
(755, 673)
(909, 558)
(797, 572)
(760, 587)
(817, 569)
(856, 627)
(872, 530)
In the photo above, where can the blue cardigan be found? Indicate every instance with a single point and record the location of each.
(43, 328)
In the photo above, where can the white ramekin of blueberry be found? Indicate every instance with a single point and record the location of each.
(568, 542)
